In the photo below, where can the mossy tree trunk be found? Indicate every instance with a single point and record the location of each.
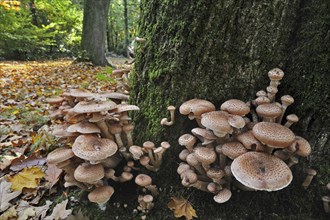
(217, 50)
(94, 30)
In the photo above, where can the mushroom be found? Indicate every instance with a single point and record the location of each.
(268, 112)
(183, 154)
(88, 173)
(302, 147)
(188, 141)
(233, 149)
(261, 171)
(146, 181)
(60, 156)
(149, 147)
(249, 141)
(222, 157)
(128, 128)
(158, 152)
(310, 175)
(286, 101)
(217, 121)
(235, 107)
(92, 148)
(293, 161)
(145, 203)
(326, 201)
(136, 152)
(292, 118)
(237, 122)
(84, 128)
(192, 161)
(194, 108)
(271, 92)
(275, 75)
(205, 156)
(214, 187)
(204, 135)
(216, 174)
(164, 121)
(116, 130)
(223, 196)
(101, 195)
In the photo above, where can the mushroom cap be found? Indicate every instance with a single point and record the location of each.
(261, 171)
(148, 145)
(223, 196)
(196, 106)
(287, 100)
(233, 149)
(292, 118)
(148, 198)
(303, 148)
(84, 127)
(326, 198)
(205, 155)
(236, 121)
(217, 121)
(59, 155)
(235, 107)
(273, 134)
(272, 89)
(92, 148)
(215, 173)
(80, 93)
(101, 195)
(88, 173)
(276, 74)
(60, 131)
(94, 106)
(112, 95)
(262, 100)
(55, 100)
(270, 110)
(261, 93)
(143, 180)
(124, 108)
(204, 135)
(187, 140)
(248, 140)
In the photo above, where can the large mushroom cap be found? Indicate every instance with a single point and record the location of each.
(273, 134)
(101, 194)
(196, 106)
(217, 121)
(270, 110)
(233, 149)
(92, 148)
(261, 171)
(88, 173)
(235, 106)
(84, 128)
(93, 106)
(59, 155)
(80, 93)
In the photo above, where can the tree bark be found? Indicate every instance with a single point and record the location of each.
(218, 50)
(126, 28)
(94, 30)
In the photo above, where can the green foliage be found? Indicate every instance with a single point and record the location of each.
(104, 75)
(41, 29)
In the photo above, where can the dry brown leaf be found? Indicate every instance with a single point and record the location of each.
(52, 174)
(29, 212)
(9, 214)
(21, 163)
(41, 211)
(59, 211)
(78, 216)
(182, 207)
(6, 195)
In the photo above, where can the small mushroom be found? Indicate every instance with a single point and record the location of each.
(188, 141)
(292, 118)
(145, 203)
(286, 101)
(194, 108)
(101, 195)
(310, 175)
(164, 121)
(128, 129)
(275, 75)
(223, 196)
(271, 92)
(326, 201)
(146, 182)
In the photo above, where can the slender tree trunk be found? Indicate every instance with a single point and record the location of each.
(218, 50)
(94, 30)
(126, 27)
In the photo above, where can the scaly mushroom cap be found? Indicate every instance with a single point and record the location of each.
(261, 171)
(217, 121)
(248, 140)
(203, 134)
(275, 74)
(233, 149)
(80, 93)
(205, 155)
(59, 155)
(261, 100)
(143, 180)
(222, 196)
(236, 121)
(92, 148)
(303, 148)
(270, 110)
(88, 173)
(94, 106)
(187, 139)
(273, 134)
(235, 107)
(101, 195)
(113, 95)
(55, 100)
(60, 131)
(287, 100)
(215, 173)
(196, 106)
(292, 118)
(84, 128)
(124, 108)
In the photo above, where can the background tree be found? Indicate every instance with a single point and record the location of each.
(218, 50)
(94, 30)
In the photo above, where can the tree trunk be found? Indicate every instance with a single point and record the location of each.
(126, 28)
(94, 30)
(218, 50)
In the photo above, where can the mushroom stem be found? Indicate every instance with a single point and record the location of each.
(201, 185)
(164, 121)
(326, 200)
(310, 175)
(128, 128)
(152, 189)
(292, 161)
(104, 130)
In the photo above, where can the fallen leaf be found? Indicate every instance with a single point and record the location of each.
(10, 213)
(6, 195)
(28, 177)
(21, 163)
(182, 207)
(42, 211)
(52, 174)
(59, 211)
(29, 212)
(78, 216)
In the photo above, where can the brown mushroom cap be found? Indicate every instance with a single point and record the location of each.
(143, 180)
(236, 121)
(235, 106)
(205, 155)
(92, 148)
(59, 155)
(287, 100)
(233, 149)
(113, 95)
(196, 106)
(88, 173)
(55, 100)
(248, 140)
(124, 108)
(293, 118)
(276, 74)
(303, 148)
(273, 134)
(217, 121)
(204, 135)
(223, 196)
(80, 93)
(101, 195)
(261, 171)
(270, 110)
(93, 106)
(84, 128)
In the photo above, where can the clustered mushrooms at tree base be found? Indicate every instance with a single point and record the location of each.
(245, 144)
(96, 134)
